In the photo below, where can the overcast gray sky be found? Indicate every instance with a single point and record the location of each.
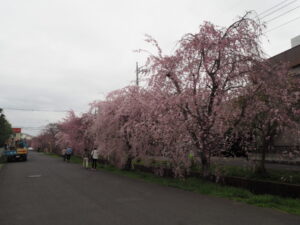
(58, 55)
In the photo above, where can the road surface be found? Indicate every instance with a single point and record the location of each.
(47, 191)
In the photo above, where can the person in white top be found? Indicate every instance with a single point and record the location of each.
(85, 161)
(94, 155)
(63, 153)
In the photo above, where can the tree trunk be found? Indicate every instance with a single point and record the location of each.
(261, 169)
(205, 165)
(128, 164)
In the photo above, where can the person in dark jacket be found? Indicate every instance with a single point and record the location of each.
(69, 152)
(94, 156)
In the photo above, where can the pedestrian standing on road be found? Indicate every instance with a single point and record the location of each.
(85, 162)
(94, 155)
(69, 152)
(63, 153)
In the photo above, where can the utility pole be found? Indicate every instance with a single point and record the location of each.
(137, 70)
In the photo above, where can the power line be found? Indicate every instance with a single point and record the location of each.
(282, 14)
(276, 10)
(275, 28)
(36, 110)
(272, 8)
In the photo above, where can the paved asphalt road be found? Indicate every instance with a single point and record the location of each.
(47, 191)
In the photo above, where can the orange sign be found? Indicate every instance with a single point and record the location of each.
(22, 151)
(16, 130)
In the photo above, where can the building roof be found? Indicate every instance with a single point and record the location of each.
(291, 56)
(27, 136)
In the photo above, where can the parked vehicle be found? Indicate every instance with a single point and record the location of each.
(17, 152)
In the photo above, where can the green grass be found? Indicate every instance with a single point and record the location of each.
(282, 176)
(197, 185)
(275, 175)
(74, 158)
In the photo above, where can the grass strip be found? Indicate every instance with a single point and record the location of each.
(197, 185)
(248, 172)
(282, 176)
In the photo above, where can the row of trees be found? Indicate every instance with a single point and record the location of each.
(216, 90)
(5, 128)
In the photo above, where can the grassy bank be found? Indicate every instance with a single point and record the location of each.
(285, 176)
(204, 187)
(276, 175)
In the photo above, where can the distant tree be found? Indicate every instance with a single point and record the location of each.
(50, 133)
(76, 132)
(115, 117)
(46, 140)
(5, 128)
(87, 126)
(273, 96)
(70, 133)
